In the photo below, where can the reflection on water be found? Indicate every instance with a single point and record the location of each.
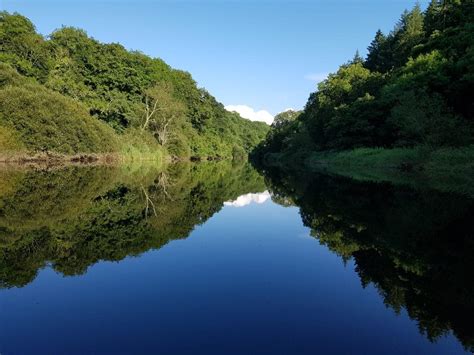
(247, 199)
(414, 246)
(73, 217)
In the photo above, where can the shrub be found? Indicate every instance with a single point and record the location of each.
(47, 121)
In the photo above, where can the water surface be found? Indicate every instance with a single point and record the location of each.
(213, 258)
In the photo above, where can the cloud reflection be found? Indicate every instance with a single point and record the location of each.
(247, 199)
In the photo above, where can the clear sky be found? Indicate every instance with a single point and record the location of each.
(267, 55)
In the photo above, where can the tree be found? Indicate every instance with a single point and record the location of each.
(22, 47)
(414, 88)
(408, 34)
(284, 117)
(376, 60)
(432, 17)
(425, 119)
(162, 110)
(357, 58)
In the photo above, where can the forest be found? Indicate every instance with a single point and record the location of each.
(408, 104)
(68, 94)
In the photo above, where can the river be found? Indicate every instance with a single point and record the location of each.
(214, 258)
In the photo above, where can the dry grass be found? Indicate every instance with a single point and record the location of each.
(50, 159)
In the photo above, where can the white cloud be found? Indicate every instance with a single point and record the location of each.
(247, 199)
(250, 114)
(317, 77)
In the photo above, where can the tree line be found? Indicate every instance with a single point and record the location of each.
(414, 88)
(72, 93)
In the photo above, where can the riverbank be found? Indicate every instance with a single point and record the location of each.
(129, 157)
(447, 169)
(417, 159)
(48, 158)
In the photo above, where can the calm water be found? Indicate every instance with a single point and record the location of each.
(215, 259)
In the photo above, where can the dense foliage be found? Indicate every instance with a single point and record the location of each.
(46, 120)
(414, 88)
(127, 90)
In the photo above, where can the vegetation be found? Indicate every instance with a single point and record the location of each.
(45, 120)
(414, 89)
(445, 169)
(71, 94)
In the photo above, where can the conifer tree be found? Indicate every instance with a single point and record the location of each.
(432, 17)
(375, 57)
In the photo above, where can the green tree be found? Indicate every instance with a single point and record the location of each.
(414, 88)
(433, 20)
(284, 117)
(162, 111)
(376, 60)
(117, 86)
(408, 34)
(357, 59)
(22, 47)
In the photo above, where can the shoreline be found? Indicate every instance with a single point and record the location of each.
(50, 159)
(447, 169)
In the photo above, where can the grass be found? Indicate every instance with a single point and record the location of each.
(10, 144)
(137, 145)
(397, 158)
(134, 146)
(447, 169)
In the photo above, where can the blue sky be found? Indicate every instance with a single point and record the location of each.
(267, 55)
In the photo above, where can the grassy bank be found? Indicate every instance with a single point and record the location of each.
(417, 159)
(131, 147)
(130, 154)
(40, 125)
(447, 169)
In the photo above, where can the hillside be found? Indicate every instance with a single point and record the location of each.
(70, 94)
(408, 99)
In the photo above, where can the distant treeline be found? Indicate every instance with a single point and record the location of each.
(414, 88)
(69, 93)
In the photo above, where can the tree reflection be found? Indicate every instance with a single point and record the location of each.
(73, 217)
(414, 245)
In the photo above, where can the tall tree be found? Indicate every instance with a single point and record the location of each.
(357, 59)
(284, 118)
(432, 17)
(376, 60)
(409, 33)
(162, 111)
(22, 47)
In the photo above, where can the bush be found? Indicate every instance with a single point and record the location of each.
(138, 145)
(47, 121)
(9, 140)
